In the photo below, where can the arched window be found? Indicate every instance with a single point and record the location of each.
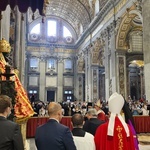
(52, 31)
(96, 7)
(66, 32)
(51, 28)
(36, 29)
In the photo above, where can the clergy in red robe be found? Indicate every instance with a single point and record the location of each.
(100, 113)
(114, 134)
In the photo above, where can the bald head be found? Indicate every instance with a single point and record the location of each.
(54, 108)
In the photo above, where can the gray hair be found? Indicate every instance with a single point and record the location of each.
(92, 112)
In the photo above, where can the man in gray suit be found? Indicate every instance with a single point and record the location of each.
(10, 134)
(54, 135)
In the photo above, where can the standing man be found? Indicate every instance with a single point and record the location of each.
(54, 135)
(10, 134)
(93, 122)
(83, 140)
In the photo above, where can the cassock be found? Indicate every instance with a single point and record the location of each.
(119, 141)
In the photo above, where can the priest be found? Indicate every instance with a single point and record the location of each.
(114, 134)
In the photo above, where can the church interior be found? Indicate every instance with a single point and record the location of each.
(77, 50)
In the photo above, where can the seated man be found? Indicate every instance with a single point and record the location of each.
(114, 134)
(83, 140)
(93, 122)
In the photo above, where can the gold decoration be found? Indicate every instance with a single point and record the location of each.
(139, 63)
(47, 2)
(4, 46)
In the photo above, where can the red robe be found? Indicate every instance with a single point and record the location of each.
(119, 141)
(101, 116)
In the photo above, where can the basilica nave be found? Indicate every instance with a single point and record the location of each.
(79, 50)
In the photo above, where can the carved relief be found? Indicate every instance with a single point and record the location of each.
(95, 51)
(101, 53)
(80, 86)
(94, 82)
(121, 75)
(81, 63)
(125, 26)
(110, 87)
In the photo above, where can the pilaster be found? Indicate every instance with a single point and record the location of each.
(60, 80)
(121, 73)
(5, 24)
(146, 46)
(107, 64)
(87, 74)
(95, 83)
(42, 79)
(79, 77)
(17, 41)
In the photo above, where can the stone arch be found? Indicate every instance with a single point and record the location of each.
(135, 57)
(125, 27)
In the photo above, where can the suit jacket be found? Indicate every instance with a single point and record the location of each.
(10, 135)
(54, 136)
(92, 124)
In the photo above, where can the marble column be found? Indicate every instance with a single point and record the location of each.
(113, 73)
(79, 87)
(89, 78)
(121, 73)
(146, 46)
(95, 83)
(42, 80)
(5, 24)
(86, 75)
(128, 82)
(142, 82)
(107, 66)
(60, 80)
(17, 50)
(22, 51)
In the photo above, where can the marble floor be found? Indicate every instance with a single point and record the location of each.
(144, 142)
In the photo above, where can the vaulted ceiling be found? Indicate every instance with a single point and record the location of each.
(75, 12)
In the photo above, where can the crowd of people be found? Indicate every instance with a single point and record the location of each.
(98, 126)
(137, 107)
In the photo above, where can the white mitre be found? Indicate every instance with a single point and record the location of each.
(115, 104)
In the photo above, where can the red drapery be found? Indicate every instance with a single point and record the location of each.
(23, 5)
(34, 122)
(142, 124)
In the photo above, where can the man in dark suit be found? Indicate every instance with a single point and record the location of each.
(54, 135)
(93, 122)
(10, 134)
